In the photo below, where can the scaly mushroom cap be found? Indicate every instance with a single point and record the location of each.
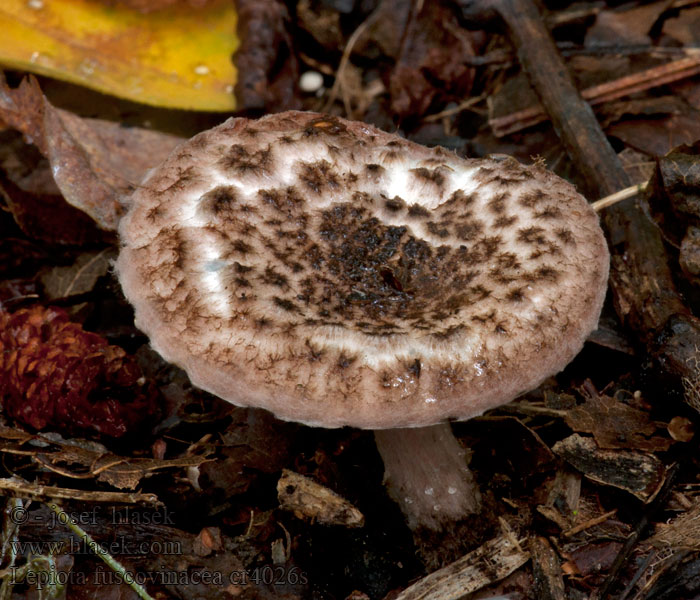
(338, 275)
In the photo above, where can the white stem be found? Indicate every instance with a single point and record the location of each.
(426, 473)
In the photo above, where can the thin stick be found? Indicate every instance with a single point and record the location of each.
(456, 109)
(628, 192)
(42, 492)
(604, 92)
(111, 562)
(359, 32)
(590, 523)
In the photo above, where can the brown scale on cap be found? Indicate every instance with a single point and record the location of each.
(339, 275)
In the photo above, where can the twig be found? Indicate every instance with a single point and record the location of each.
(590, 523)
(111, 562)
(356, 35)
(42, 492)
(628, 192)
(638, 575)
(604, 92)
(454, 110)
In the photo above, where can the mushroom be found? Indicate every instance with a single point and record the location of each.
(338, 275)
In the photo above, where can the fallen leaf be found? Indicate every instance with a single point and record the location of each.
(614, 424)
(78, 278)
(84, 459)
(96, 164)
(639, 167)
(178, 58)
(685, 27)
(432, 61)
(254, 443)
(674, 200)
(48, 217)
(593, 558)
(632, 26)
(127, 473)
(657, 136)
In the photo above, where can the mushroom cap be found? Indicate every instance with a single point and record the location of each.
(336, 274)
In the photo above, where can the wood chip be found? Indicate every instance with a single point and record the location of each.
(491, 562)
(547, 571)
(311, 500)
(639, 473)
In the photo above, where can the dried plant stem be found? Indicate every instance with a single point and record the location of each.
(24, 489)
(590, 523)
(624, 86)
(455, 110)
(628, 192)
(345, 58)
(111, 562)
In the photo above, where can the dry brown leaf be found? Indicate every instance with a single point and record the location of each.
(96, 164)
(47, 217)
(657, 136)
(78, 278)
(685, 27)
(432, 64)
(630, 26)
(127, 473)
(88, 459)
(614, 424)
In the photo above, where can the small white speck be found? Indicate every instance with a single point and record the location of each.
(408, 500)
(451, 490)
(201, 70)
(36, 4)
(87, 67)
(436, 507)
(310, 82)
(229, 89)
(429, 491)
(430, 400)
(34, 57)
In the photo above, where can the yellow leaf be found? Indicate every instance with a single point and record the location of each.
(179, 57)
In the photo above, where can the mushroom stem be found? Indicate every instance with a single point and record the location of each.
(426, 473)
